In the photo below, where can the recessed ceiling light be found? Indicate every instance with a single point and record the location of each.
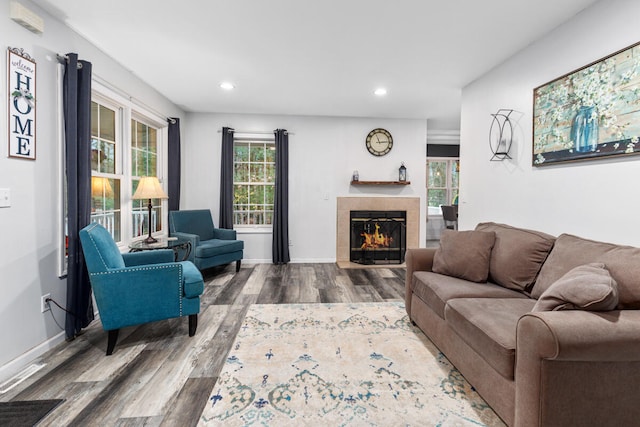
(227, 85)
(380, 91)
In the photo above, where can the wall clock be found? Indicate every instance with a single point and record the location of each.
(379, 142)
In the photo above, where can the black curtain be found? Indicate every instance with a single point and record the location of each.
(173, 151)
(77, 127)
(226, 180)
(280, 244)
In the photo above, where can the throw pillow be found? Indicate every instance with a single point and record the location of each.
(464, 254)
(586, 287)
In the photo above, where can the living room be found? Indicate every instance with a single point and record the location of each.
(591, 199)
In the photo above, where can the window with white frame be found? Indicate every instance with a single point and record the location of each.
(254, 171)
(442, 183)
(127, 143)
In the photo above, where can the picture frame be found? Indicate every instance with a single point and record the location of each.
(21, 108)
(590, 113)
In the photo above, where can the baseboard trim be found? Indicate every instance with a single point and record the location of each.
(21, 362)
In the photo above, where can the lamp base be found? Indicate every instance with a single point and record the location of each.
(150, 239)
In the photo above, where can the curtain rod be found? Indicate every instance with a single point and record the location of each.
(65, 58)
(257, 132)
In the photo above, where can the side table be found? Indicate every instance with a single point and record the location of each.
(178, 245)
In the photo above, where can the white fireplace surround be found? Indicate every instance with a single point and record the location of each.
(347, 204)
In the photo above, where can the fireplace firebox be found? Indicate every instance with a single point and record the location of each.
(378, 237)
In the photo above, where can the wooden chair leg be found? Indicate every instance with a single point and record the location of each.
(113, 338)
(193, 324)
(238, 262)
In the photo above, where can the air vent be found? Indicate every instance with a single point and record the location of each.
(26, 18)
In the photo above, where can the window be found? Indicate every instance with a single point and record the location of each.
(126, 144)
(106, 178)
(254, 182)
(442, 183)
(144, 162)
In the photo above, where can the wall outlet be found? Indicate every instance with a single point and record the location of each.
(290, 242)
(44, 304)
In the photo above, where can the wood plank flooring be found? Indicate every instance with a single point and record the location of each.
(158, 375)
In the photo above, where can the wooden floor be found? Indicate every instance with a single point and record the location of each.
(158, 376)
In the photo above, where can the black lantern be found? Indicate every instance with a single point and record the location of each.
(402, 173)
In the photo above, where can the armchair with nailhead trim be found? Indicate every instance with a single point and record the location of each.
(140, 287)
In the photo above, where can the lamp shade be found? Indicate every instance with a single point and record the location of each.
(100, 187)
(149, 188)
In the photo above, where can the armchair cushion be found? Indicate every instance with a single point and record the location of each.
(211, 248)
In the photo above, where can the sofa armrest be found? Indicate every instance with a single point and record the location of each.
(157, 256)
(194, 239)
(416, 259)
(224, 234)
(564, 354)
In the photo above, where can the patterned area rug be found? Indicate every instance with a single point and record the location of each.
(339, 365)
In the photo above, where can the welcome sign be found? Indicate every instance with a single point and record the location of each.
(22, 104)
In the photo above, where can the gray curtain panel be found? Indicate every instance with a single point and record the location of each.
(77, 127)
(226, 180)
(280, 244)
(173, 164)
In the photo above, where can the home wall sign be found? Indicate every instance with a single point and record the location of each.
(21, 92)
(593, 112)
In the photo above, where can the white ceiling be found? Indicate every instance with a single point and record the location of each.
(309, 57)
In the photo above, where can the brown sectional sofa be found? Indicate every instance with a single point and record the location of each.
(571, 366)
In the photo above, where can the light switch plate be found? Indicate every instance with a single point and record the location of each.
(5, 197)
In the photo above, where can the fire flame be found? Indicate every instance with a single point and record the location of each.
(375, 240)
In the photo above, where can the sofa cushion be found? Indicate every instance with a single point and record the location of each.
(436, 289)
(488, 325)
(587, 287)
(623, 263)
(464, 254)
(517, 255)
(214, 247)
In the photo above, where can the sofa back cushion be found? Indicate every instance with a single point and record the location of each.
(623, 263)
(464, 254)
(517, 255)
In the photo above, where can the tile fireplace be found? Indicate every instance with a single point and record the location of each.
(345, 205)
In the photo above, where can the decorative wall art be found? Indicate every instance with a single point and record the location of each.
(593, 112)
(21, 77)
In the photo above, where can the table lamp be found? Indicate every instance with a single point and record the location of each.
(149, 188)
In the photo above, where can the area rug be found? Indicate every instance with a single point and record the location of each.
(339, 365)
(25, 412)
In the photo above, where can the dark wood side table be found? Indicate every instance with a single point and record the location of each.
(178, 245)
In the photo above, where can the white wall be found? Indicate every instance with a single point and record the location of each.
(594, 199)
(28, 261)
(323, 153)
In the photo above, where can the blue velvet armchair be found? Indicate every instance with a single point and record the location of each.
(210, 246)
(135, 288)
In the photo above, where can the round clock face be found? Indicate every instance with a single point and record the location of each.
(379, 142)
